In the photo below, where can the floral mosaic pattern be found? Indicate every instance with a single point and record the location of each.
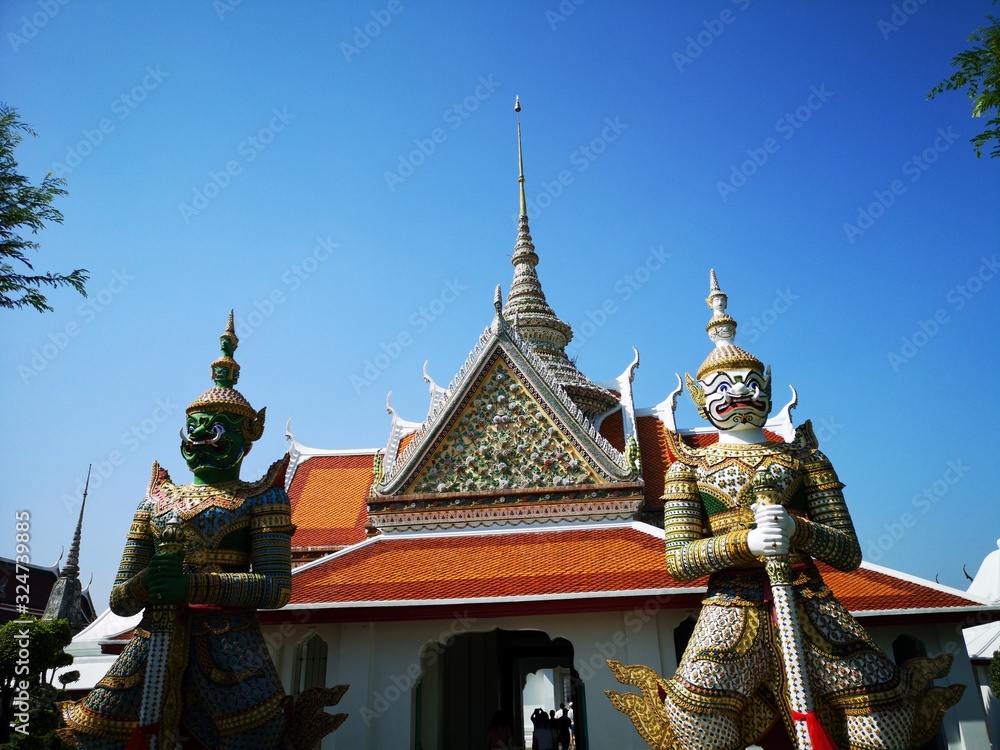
(502, 439)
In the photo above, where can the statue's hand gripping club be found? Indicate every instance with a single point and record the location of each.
(775, 528)
(165, 581)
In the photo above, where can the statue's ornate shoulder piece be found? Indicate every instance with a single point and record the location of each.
(158, 479)
(273, 477)
(804, 443)
(680, 450)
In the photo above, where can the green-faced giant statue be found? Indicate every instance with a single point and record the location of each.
(199, 560)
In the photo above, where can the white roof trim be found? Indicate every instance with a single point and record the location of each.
(307, 452)
(500, 599)
(917, 611)
(510, 530)
(317, 453)
(982, 641)
(107, 626)
(298, 453)
(326, 558)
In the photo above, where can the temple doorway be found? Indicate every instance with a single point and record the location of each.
(464, 683)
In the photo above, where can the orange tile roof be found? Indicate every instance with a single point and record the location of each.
(560, 564)
(488, 565)
(869, 589)
(405, 441)
(613, 430)
(329, 495)
(655, 458)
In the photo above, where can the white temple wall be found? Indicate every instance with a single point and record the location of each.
(990, 703)
(965, 723)
(381, 660)
(628, 637)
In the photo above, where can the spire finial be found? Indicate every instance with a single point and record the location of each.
(64, 598)
(533, 318)
(223, 396)
(520, 157)
(229, 338)
(72, 569)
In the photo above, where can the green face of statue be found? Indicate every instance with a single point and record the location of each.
(213, 446)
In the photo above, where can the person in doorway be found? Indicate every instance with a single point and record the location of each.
(538, 719)
(562, 727)
(545, 736)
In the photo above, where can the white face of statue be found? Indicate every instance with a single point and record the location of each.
(736, 398)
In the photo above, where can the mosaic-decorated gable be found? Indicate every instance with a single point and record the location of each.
(502, 438)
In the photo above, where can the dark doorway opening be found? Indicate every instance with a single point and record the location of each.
(463, 683)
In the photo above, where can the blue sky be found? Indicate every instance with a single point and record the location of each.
(344, 176)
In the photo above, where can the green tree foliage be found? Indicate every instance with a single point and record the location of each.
(995, 673)
(43, 642)
(979, 73)
(24, 207)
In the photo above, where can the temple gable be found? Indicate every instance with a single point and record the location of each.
(505, 446)
(503, 438)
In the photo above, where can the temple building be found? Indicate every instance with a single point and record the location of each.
(493, 555)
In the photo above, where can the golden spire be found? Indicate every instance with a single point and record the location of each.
(520, 158)
(532, 317)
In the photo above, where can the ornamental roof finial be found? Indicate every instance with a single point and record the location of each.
(64, 598)
(72, 569)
